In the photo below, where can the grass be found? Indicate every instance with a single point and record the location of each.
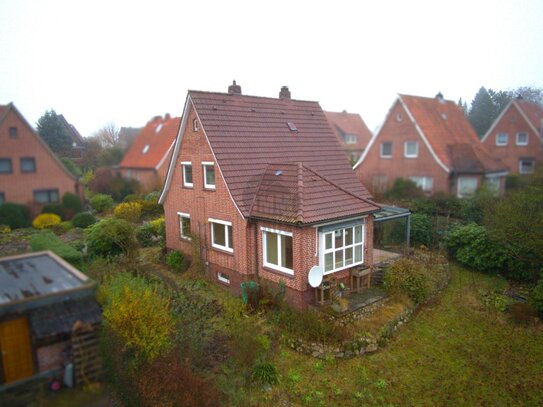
(454, 352)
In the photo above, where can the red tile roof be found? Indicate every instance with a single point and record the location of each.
(349, 123)
(450, 135)
(159, 134)
(248, 133)
(533, 112)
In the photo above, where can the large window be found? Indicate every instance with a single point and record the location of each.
(221, 234)
(522, 139)
(342, 248)
(411, 149)
(526, 165)
(184, 225)
(209, 175)
(350, 139)
(28, 164)
(424, 183)
(466, 186)
(187, 174)
(5, 166)
(277, 248)
(46, 196)
(386, 149)
(501, 139)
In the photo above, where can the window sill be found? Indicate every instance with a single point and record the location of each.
(210, 189)
(185, 239)
(278, 272)
(386, 157)
(188, 186)
(221, 250)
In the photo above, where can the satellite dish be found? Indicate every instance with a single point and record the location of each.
(315, 276)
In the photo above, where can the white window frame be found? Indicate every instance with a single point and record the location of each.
(181, 231)
(520, 165)
(527, 138)
(185, 183)
(493, 182)
(223, 278)
(145, 149)
(423, 182)
(206, 164)
(333, 249)
(405, 153)
(195, 125)
(350, 139)
(281, 268)
(381, 149)
(502, 143)
(459, 194)
(229, 245)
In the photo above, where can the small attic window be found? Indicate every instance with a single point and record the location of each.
(399, 117)
(195, 125)
(291, 126)
(278, 172)
(158, 128)
(145, 149)
(444, 116)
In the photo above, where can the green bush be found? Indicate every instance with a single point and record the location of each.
(403, 189)
(130, 211)
(145, 234)
(83, 220)
(471, 246)
(63, 227)
(47, 240)
(421, 230)
(110, 237)
(70, 166)
(72, 202)
(152, 196)
(407, 276)
(14, 215)
(131, 198)
(57, 209)
(176, 261)
(101, 202)
(265, 373)
(536, 298)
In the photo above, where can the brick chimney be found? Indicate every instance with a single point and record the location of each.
(439, 97)
(234, 89)
(285, 93)
(167, 117)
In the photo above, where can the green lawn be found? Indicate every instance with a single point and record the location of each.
(454, 352)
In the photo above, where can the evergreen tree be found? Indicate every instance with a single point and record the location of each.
(482, 112)
(463, 105)
(500, 99)
(52, 132)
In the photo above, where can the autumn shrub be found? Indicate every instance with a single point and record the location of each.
(47, 240)
(403, 189)
(83, 220)
(14, 215)
(111, 237)
(140, 315)
(4, 229)
(46, 220)
(176, 261)
(130, 211)
(131, 198)
(145, 234)
(72, 203)
(106, 182)
(101, 202)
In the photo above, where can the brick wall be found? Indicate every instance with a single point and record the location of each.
(148, 179)
(18, 187)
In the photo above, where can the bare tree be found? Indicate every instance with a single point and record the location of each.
(108, 135)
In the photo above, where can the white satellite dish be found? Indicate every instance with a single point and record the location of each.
(315, 276)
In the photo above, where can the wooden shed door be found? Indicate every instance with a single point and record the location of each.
(16, 350)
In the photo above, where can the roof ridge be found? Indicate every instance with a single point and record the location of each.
(300, 193)
(340, 188)
(250, 96)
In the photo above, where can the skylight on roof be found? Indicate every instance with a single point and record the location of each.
(291, 126)
(278, 172)
(145, 149)
(158, 128)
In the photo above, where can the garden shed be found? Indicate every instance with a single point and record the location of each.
(48, 318)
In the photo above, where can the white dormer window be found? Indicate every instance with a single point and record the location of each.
(522, 139)
(501, 139)
(187, 174)
(411, 149)
(158, 128)
(209, 175)
(145, 149)
(350, 139)
(195, 125)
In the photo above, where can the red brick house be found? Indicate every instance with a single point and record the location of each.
(149, 155)
(30, 173)
(265, 185)
(516, 137)
(77, 141)
(431, 142)
(351, 131)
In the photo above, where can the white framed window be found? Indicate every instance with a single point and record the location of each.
(195, 125)
(501, 139)
(526, 165)
(493, 183)
(145, 149)
(342, 248)
(411, 149)
(209, 175)
(522, 139)
(386, 149)
(424, 183)
(221, 234)
(184, 225)
(223, 278)
(466, 186)
(350, 139)
(399, 117)
(187, 174)
(277, 250)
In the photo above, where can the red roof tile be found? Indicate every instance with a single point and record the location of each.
(533, 112)
(159, 135)
(450, 134)
(349, 123)
(248, 133)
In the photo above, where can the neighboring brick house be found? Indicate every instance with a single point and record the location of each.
(149, 155)
(30, 173)
(77, 141)
(431, 142)
(265, 185)
(351, 131)
(516, 137)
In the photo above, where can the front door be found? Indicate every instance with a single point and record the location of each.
(16, 350)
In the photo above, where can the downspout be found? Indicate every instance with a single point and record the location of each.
(256, 251)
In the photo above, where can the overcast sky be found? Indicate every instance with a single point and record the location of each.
(101, 61)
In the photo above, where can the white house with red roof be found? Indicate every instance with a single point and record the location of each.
(264, 183)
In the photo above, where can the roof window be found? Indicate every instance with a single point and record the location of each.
(145, 149)
(158, 128)
(291, 126)
(444, 116)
